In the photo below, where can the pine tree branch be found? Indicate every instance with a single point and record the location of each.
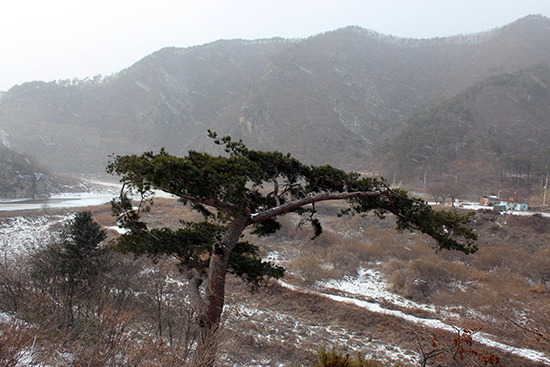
(326, 196)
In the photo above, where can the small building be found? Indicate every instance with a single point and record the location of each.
(510, 205)
(521, 207)
(490, 200)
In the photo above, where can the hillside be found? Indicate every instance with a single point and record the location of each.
(330, 98)
(497, 128)
(323, 301)
(336, 94)
(168, 98)
(20, 177)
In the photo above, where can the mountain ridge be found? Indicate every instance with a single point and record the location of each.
(329, 98)
(380, 90)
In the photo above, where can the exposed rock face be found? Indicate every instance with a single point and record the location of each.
(331, 98)
(34, 186)
(21, 177)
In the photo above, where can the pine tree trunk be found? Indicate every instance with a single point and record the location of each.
(68, 317)
(209, 319)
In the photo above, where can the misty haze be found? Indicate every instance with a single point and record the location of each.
(461, 123)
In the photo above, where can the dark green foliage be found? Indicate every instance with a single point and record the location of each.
(189, 243)
(71, 268)
(245, 263)
(258, 185)
(81, 258)
(267, 227)
(192, 245)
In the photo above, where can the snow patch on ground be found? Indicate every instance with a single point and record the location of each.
(278, 327)
(370, 284)
(24, 234)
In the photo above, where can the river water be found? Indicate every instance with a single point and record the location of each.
(60, 201)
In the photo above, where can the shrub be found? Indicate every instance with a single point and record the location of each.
(343, 258)
(501, 258)
(16, 341)
(420, 279)
(335, 358)
(310, 268)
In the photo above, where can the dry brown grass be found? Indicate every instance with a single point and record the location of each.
(511, 267)
(505, 271)
(512, 264)
(102, 215)
(17, 342)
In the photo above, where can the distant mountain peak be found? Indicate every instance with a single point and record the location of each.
(329, 98)
(465, 39)
(533, 20)
(529, 22)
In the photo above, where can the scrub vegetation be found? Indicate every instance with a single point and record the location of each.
(139, 314)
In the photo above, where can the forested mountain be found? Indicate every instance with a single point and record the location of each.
(351, 86)
(497, 127)
(336, 97)
(169, 98)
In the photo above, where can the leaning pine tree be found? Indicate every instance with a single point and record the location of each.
(249, 188)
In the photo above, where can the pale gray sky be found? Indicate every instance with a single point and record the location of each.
(58, 39)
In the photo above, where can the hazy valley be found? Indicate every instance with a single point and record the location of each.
(347, 96)
(458, 117)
